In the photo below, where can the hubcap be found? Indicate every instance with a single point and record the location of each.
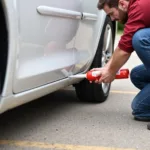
(107, 52)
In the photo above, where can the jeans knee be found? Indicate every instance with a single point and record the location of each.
(137, 77)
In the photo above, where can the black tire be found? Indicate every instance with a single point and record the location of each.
(91, 92)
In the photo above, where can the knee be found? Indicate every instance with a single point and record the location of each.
(136, 78)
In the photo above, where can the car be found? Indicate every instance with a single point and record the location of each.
(44, 42)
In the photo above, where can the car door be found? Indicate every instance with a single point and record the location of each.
(88, 34)
(46, 37)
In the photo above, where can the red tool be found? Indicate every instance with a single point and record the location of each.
(93, 75)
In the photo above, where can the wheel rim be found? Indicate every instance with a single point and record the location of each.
(107, 52)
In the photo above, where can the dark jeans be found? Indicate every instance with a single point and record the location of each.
(140, 75)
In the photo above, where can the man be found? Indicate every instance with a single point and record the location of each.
(136, 36)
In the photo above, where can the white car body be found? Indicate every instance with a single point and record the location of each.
(48, 41)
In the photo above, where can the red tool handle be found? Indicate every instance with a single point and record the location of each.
(122, 74)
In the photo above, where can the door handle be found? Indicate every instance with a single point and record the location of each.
(59, 12)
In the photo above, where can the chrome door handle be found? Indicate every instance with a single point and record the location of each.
(59, 12)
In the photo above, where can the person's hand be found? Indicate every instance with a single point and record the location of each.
(107, 76)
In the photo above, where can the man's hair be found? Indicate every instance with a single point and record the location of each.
(110, 3)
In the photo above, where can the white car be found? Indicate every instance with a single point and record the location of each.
(44, 42)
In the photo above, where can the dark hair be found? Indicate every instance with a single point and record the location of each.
(110, 3)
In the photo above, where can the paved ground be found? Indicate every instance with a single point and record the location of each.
(60, 121)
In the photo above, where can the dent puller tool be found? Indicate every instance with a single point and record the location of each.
(94, 75)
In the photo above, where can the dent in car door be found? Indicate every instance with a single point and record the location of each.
(47, 31)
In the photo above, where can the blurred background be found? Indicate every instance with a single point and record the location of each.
(120, 28)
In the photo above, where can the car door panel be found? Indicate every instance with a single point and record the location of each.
(47, 32)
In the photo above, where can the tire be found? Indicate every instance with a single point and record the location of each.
(91, 92)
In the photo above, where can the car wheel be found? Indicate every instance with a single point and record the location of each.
(98, 92)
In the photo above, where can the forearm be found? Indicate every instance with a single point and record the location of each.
(118, 59)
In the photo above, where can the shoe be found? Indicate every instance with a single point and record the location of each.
(142, 119)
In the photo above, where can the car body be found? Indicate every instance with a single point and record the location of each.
(43, 43)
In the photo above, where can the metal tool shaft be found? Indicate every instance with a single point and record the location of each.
(78, 76)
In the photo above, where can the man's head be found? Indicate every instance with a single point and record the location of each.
(116, 9)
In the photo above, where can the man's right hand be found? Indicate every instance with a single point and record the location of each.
(107, 76)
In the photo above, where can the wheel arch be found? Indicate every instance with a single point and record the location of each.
(3, 44)
(10, 10)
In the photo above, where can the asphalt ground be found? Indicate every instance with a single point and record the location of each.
(60, 122)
